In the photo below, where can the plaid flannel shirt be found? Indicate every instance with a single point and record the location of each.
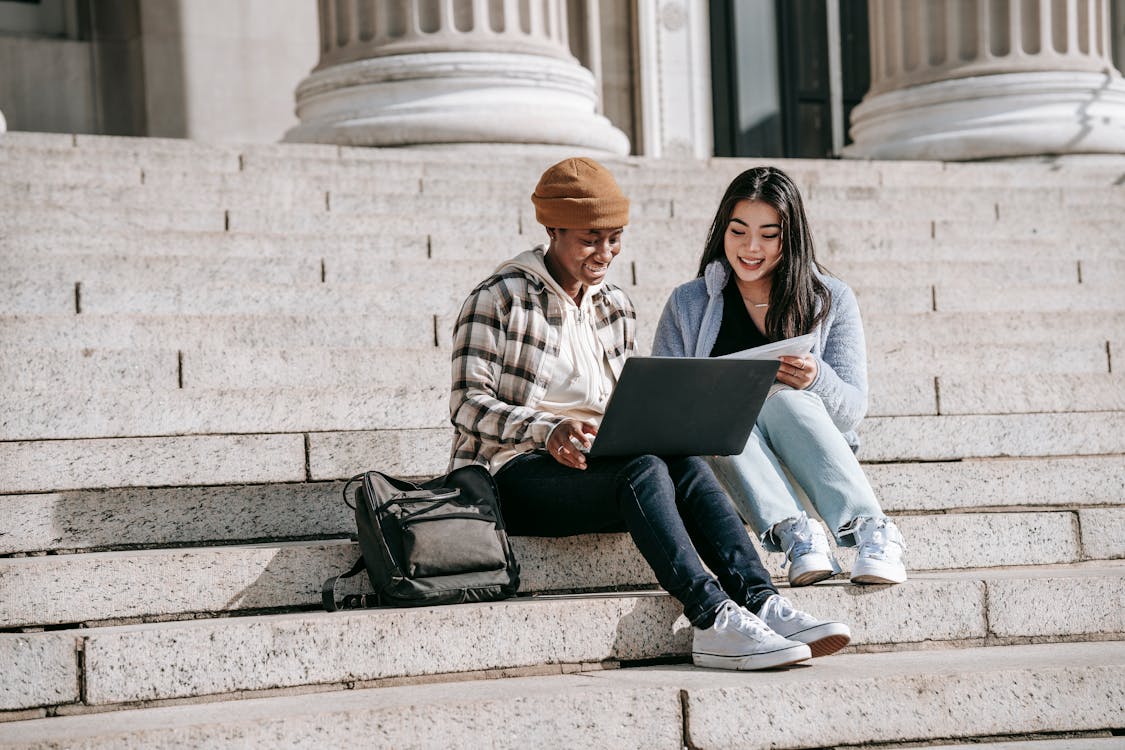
(505, 337)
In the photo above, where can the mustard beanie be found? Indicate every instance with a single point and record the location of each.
(579, 193)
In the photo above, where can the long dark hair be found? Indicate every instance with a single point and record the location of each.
(798, 300)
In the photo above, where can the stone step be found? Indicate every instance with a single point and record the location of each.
(1078, 392)
(1030, 690)
(23, 267)
(156, 369)
(220, 332)
(894, 359)
(406, 194)
(122, 585)
(46, 412)
(903, 369)
(321, 157)
(510, 223)
(942, 330)
(887, 332)
(233, 191)
(943, 205)
(1055, 298)
(979, 436)
(884, 439)
(388, 295)
(1100, 741)
(39, 466)
(1066, 298)
(121, 243)
(57, 465)
(21, 218)
(159, 661)
(200, 515)
(642, 244)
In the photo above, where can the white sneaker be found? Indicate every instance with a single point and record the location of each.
(739, 640)
(806, 550)
(823, 637)
(880, 547)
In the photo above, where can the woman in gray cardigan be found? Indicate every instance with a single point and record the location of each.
(759, 282)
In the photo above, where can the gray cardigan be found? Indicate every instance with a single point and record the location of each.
(690, 324)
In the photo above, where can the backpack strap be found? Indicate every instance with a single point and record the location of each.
(328, 592)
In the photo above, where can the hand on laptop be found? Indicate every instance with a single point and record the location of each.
(797, 372)
(568, 439)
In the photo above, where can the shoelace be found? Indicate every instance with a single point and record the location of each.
(801, 544)
(733, 615)
(874, 542)
(782, 607)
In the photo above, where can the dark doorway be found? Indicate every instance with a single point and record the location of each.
(771, 74)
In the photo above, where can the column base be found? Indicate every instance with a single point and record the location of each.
(994, 116)
(3, 124)
(454, 97)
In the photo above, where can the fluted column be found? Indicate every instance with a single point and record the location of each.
(417, 72)
(973, 79)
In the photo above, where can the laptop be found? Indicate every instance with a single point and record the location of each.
(684, 406)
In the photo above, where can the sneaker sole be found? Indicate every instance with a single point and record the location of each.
(810, 577)
(783, 658)
(829, 645)
(871, 573)
(824, 639)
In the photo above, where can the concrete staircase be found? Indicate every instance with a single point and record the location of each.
(197, 344)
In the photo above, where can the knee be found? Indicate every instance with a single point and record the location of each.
(646, 469)
(791, 404)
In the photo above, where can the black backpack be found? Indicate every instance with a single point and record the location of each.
(438, 542)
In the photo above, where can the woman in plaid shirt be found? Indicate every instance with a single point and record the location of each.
(538, 348)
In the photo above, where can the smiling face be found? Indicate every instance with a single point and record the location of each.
(753, 246)
(578, 258)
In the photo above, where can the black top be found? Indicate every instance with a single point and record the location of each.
(737, 331)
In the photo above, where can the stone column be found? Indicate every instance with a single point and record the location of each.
(424, 72)
(975, 79)
(675, 79)
(3, 124)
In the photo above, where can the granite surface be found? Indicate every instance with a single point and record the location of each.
(950, 437)
(40, 669)
(1062, 606)
(42, 415)
(61, 589)
(947, 485)
(1103, 532)
(179, 659)
(423, 367)
(32, 217)
(948, 694)
(417, 453)
(50, 465)
(100, 519)
(65, 370)
(1077, 392)
(1058, 297)
(205, 331)
(516, 713)
(144, 269)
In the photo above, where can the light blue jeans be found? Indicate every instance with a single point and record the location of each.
(794, 430)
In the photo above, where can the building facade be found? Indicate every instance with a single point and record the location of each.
(899, 79)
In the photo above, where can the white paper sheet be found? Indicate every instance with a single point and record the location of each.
(798, 346)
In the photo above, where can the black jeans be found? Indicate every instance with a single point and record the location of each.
(675, 510)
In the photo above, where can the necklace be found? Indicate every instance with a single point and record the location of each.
(752, 303)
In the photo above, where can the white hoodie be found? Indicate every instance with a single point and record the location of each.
(580, 378)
